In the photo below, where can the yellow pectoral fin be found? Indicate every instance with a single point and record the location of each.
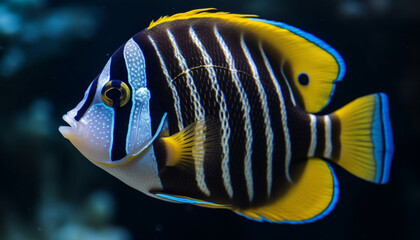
(192, 144)
(310, 199)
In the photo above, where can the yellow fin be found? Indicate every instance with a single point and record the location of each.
(198, 13)
(192, 144)
(311, 198)
(189, 200)
(313, 65)
(366, 138)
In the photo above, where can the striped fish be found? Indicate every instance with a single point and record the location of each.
(219, 110)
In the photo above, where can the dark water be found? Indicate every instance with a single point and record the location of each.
(51, 50)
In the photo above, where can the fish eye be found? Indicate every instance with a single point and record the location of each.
(303, 79)
(115, 93)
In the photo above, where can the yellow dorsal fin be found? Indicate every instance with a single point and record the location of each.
(312, 197)
(310, 66)
(190, 146)
(199, 13)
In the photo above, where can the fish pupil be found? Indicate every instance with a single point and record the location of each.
(303, 79)
(113, 93)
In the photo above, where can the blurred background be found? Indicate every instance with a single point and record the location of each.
(51, 50)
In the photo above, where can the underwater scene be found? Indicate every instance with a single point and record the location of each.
(349, 169)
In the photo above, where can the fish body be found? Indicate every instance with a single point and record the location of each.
(219, 110)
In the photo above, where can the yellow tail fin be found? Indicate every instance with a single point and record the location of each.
(366, 138)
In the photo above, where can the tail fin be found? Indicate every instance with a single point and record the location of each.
(366, 138)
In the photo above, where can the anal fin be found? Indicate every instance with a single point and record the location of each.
(312, 197)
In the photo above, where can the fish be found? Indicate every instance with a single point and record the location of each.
(222, 110)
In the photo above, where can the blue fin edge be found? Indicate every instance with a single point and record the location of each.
(382, 139)
(313, 39)
(183, 200)
(330, 207)
(318, 42)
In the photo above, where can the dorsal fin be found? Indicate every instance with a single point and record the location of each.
(314, 65)
(200, 13)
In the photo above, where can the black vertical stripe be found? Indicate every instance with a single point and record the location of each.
(187, 107)
(186, 47)
(237, 143)
(287, 70)
(116, 102)
(278, 170)
(89, 100)
(259, 148)
(157, 78)
(213, 162)
(121, 114)
(335, 137)
(237, 138)
(320, 130)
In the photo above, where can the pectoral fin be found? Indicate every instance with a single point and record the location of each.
(192, 144)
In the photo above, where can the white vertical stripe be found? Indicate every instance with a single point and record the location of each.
(198, 113)
(328, 144)
(245, 109)
(170, 84)
(267, 121)
(284, 123)
(223, 112)
(292, 97)
(136, 70)
(135, 64)
(195, 97)
(312, 146)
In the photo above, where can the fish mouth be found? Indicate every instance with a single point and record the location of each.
(68, 131)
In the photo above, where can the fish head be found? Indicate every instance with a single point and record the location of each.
(112, 122)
